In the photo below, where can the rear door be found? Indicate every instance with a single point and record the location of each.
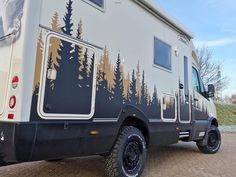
(68, 83)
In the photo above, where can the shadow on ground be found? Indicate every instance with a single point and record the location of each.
(92, 166)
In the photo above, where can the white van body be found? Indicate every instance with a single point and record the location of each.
(86, 67)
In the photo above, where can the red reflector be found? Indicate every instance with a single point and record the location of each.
(12, 102)
(15, 82)
(11, 116)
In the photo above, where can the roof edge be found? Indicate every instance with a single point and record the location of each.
(161, 14)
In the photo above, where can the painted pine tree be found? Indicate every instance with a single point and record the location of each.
(126, 83)
(118, 97)
(39, 57)
(66, 83)
(143, 93)
(91, 71)
(84, 81)
(155, 108)
(78, 53)
(133, 91)
(34, 103)
(138, 84)
(105, 66)
(48, 86)
(103, 96)
(55, 42)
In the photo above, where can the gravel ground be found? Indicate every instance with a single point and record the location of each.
(179, 160)
(228, 128)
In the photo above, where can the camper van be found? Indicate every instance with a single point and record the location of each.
(99, 77)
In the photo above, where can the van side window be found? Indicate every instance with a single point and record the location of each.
(162, 54)
(195, 81)
(99, 3)
(203, 89)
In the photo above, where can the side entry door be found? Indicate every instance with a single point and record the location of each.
(184, 80)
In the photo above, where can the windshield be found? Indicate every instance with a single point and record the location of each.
(11, 12)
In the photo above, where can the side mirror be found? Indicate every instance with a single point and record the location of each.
(211, 91)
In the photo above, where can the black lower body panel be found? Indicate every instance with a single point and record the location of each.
(22, 142)
(33, 141)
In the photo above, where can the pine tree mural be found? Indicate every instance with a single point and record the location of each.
(138, 84)
(48, 86)
(103, 96)
(126, 83)
(39, 57)
(78, 53)
(154, 109)
(34, 103)
(66, 82)
(71, 91)
(85, 70)
(169, 112)
(133, 89)
(91, 70)
(55, 42)
(118, 86)
(143, 92)
(105, 66)
(67, 29)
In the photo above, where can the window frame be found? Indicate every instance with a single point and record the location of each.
(201, 84)
(102, 9)
(194, 69)
(154, 52)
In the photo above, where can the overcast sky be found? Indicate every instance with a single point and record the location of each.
(213, 23)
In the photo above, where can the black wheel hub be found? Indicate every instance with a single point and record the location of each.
(213, 140)
(132, 155)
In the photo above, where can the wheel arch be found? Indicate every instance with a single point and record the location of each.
(213, 121)
(133, 116)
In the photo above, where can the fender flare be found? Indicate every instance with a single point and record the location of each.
(211, 121)
(132, 112)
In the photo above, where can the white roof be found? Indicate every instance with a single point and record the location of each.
(159, 12)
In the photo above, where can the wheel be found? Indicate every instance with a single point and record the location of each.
(128, 155)
(213, 141)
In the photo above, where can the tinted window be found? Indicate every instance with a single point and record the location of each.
(195, 81)
(98, 2)
(203, 89)
(186, 85)
(162, 54)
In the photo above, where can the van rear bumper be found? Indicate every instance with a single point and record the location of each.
(16, 141)
(23, 142)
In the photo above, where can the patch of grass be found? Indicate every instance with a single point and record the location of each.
(226, 114)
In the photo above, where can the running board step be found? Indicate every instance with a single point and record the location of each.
(184, 135)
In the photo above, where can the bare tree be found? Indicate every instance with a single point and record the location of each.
(211, 71)
(233, 99)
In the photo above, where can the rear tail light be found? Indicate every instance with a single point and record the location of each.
(11, 116)
(12, 102)
(15, 82)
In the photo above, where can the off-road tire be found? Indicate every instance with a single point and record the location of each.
(117, 163)
(213, 141)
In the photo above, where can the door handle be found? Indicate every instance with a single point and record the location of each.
(196, 100)
(181, 86)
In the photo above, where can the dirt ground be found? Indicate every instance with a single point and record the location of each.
(179, 160)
